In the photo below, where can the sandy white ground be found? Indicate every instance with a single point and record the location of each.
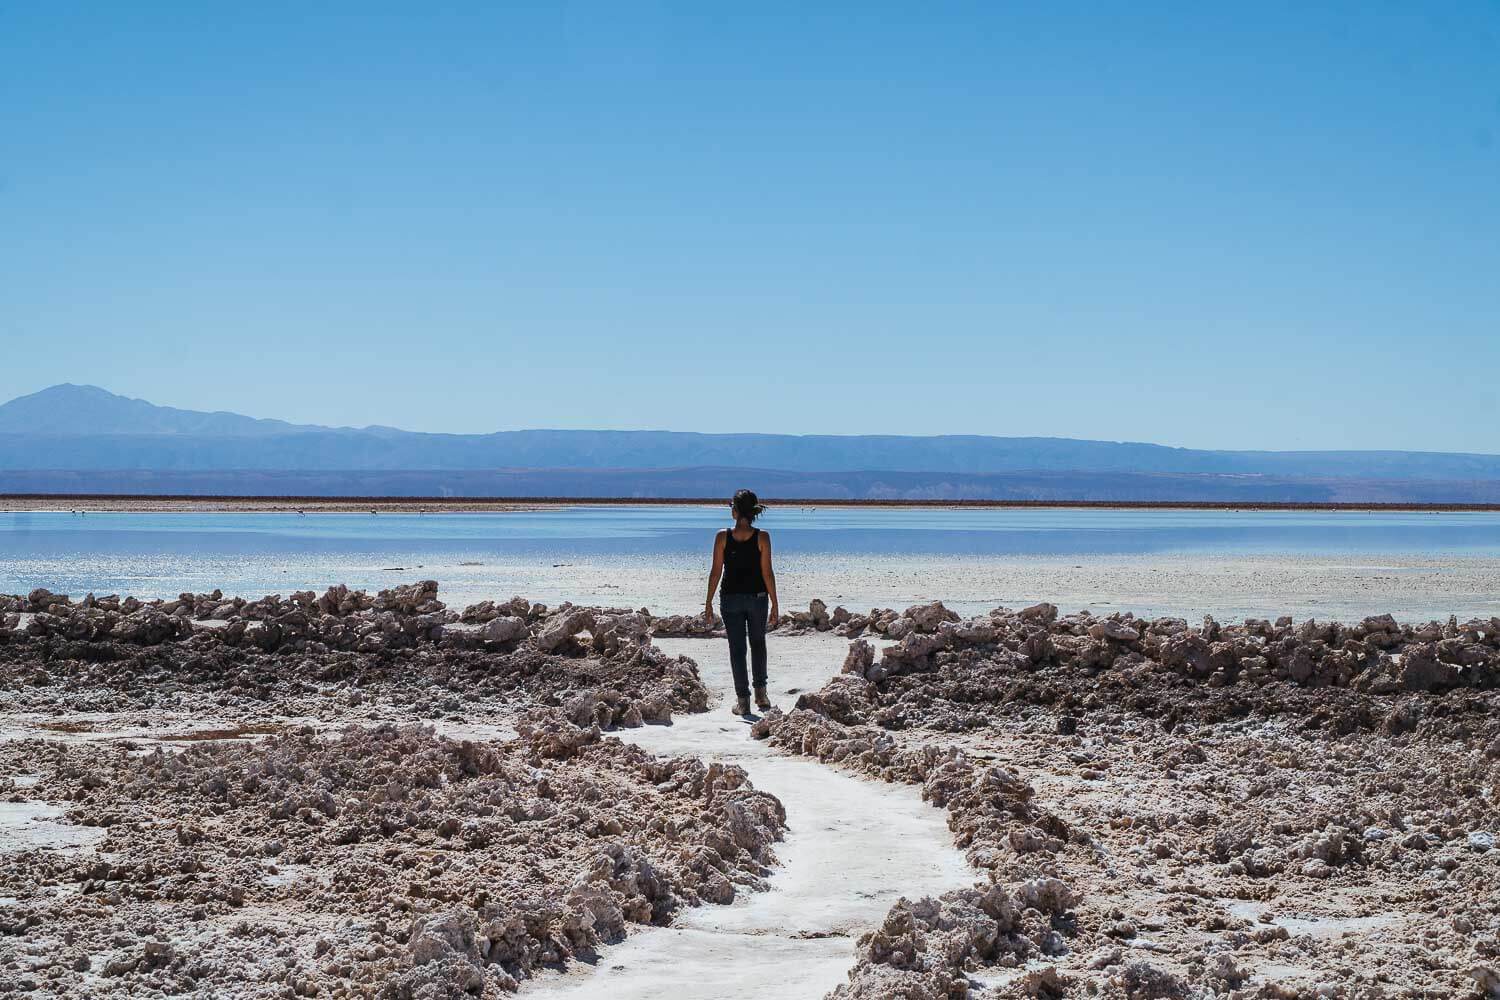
(853, 848)
(29, 825)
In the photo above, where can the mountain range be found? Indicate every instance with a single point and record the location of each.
(76, 438)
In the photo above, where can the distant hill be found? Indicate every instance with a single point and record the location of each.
(1105, 487)
(106, 438)
(69, 409)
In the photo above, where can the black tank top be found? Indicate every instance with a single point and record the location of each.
(742, 565)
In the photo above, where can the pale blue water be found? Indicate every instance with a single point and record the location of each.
(643, 553)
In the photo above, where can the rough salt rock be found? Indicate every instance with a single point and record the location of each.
(860, 658)
(1422, 671)
(1316, 868)
(1187, 653)
(1111, 629)
(605, 709)
(1048, 895)
(900, 628)
(928, 617)
(923, 948)
(977, 631)
(564, 626)
(691, 626)
(1044, 613)
(504, 629)
(915, 646)
(1047, 983)
(411, 599)
(1143, 981)
(613, 633)
(41, 599)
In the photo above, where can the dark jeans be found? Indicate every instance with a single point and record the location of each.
(745, 616)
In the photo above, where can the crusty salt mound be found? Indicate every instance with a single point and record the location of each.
(1378, 655)
(384, 858)
(320, 838)
(288, 657)
(1257, 810)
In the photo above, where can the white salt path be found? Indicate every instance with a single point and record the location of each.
(31, 825)
(853, 847)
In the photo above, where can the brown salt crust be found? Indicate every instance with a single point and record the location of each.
(1377, 655)
(466, 863)
(1415, 794)
(1423, 693)
(379, 860)
(285, 653)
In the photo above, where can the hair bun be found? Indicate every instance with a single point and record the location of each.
(747, 505)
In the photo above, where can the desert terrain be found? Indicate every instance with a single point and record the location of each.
(349, 794)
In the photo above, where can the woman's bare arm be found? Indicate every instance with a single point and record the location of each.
(769, 575)
(713, 576)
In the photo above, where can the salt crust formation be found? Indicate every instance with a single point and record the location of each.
(1159, 810)
(355, 858)
(1130, 787)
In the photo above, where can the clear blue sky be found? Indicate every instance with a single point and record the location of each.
(1234, 225)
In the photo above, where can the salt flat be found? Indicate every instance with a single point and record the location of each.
(853, 847)
(1231, 564)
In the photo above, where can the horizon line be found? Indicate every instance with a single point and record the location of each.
(301, 428)
(771, 502)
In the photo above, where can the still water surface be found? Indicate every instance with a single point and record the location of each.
(656, 555)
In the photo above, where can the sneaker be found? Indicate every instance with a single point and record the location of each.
(762, 700)
(742, 706)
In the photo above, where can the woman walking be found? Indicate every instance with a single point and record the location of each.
(747, 601)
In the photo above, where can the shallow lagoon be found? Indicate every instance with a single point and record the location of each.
(1329, 564)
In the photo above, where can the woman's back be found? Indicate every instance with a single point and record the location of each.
(742, 573)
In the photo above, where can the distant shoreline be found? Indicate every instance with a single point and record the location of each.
(127, 502)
